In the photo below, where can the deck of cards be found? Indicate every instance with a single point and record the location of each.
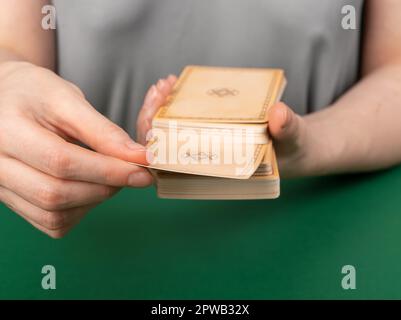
(210, 138)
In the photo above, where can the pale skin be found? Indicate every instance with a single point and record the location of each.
(52, 182)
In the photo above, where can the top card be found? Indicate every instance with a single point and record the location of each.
(218, 94)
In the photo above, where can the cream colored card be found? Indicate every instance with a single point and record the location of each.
(266, 165)
(217, 160)
(240, 132)
(217, 94)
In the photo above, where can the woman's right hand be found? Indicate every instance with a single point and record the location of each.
(45, 176)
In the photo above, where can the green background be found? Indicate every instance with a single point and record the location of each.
(137, 246)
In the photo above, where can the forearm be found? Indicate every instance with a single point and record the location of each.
(22, 36)
(359, 132)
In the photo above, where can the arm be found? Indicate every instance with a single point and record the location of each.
(362, 130)
(22, 36)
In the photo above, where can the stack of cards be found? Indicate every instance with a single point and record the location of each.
(263, 184)
(210, 139)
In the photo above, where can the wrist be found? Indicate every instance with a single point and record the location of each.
(323, 145)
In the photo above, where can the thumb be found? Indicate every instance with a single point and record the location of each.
(84, 123)
(284, 125)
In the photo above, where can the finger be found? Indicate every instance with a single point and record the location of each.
(166, 85)
(154, 99)
(163, 86)
(172, 79)
(79, 120)
(47, 192)
(47, 152)
(55, 234)
(284, 124)
(54, 223)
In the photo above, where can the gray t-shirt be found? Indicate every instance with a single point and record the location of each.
(115, 49)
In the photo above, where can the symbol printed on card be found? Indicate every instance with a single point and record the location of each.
(223, 92)
(200, 156)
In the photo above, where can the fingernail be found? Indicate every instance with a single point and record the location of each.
(135, 146)
(139, 179)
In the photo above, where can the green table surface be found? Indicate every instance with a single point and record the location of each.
(136, 246)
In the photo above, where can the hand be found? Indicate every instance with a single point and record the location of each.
(44, 176)
(288, 130)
